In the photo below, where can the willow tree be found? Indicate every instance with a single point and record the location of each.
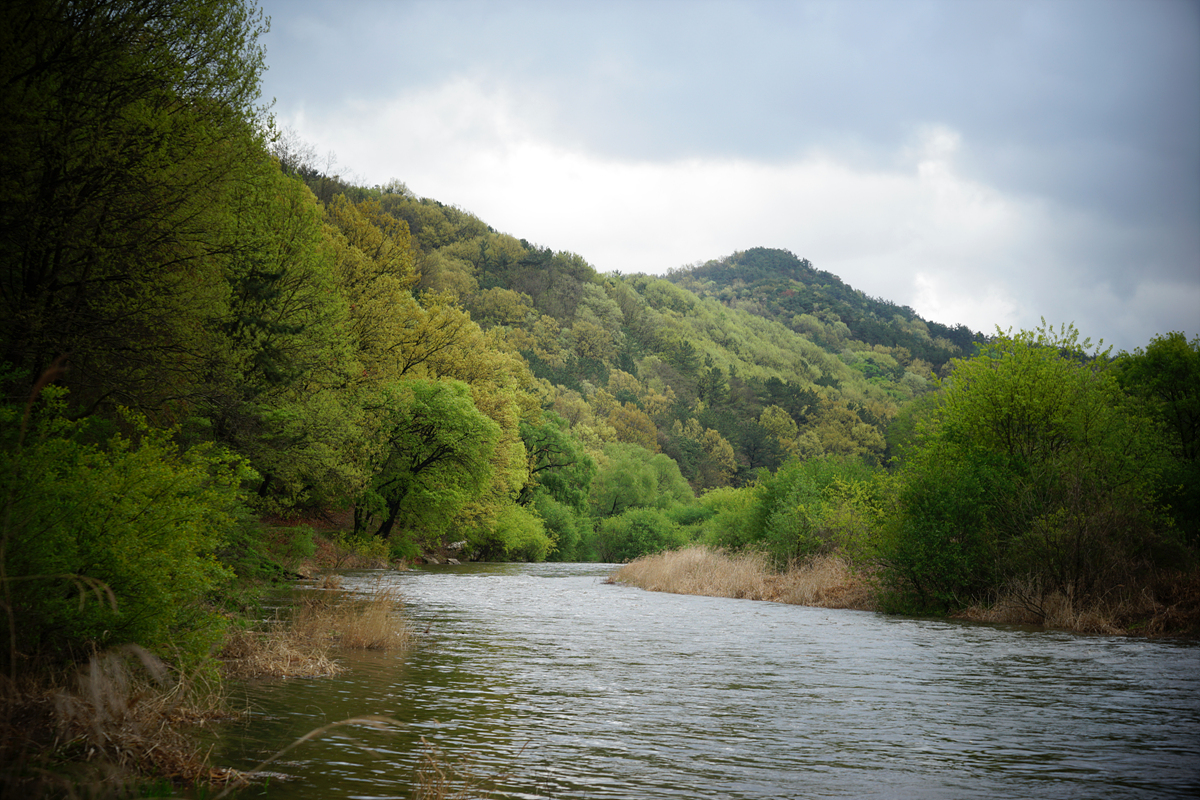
(437, 457)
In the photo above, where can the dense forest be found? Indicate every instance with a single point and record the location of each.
(203, 330)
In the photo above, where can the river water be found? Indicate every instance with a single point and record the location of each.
(552, 684)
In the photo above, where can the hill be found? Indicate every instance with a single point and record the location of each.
(778, 285)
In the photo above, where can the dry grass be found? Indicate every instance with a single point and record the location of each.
(1169, 607)
(338, 550)
(301, 645)
(825, 581)
(114, 724)
(439, 778)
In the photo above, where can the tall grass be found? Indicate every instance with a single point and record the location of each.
(113, 725)
(301, 645)
(1168, 606)
(441, 778)
(826, 581)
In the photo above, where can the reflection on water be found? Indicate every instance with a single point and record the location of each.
(576, 689)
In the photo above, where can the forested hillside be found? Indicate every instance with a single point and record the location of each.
(817, 304)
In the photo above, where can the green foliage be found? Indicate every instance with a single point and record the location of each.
(366, 547)
(730, 515)
(937, 548)
(566, 526)
(109, 538)
(437, 458)
(633, 477)
(558, 463)
(515, 533)
(793, 507)
(1036, 467)
(125, 123)
(819, 306)
(255, 553)
(636, 532)
(1165, 376)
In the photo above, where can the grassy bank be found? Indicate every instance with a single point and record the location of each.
(120, 724)
(824, 581)
(1170, 607)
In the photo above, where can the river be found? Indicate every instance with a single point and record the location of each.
(557, 685)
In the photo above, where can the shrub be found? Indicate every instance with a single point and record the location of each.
(564, 525)
(636, 532)
(729, 524)
(512, 533)
(1036, 468)
(110, 539)
(793, 507)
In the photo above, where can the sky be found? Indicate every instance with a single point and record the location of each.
(986, 163)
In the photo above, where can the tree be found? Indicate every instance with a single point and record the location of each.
(1166, 377)
(631, 476)
(558, 465)
(108, 537)
(124, 125)
(1035, 468)
(636, 532)
(280, 368)
(438, 457)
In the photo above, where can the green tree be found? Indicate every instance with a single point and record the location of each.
(1035, 468)
(109, 537)
(632, 477)
(636, 532)
(281, 368)
(793, 506)
(1166, 377)
(124, 125)
(437, 458)
(558, 464)
(512, 533)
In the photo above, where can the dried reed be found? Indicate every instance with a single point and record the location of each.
(826, 581)
(438, 778)
(1169, 606)
(113, 725)
(301, 645)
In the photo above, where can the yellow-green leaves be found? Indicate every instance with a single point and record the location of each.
(131, 513)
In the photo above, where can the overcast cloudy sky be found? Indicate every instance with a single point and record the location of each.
(988, 163)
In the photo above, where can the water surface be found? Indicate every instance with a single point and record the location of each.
(566, 687)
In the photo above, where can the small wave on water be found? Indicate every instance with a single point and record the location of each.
(544, 682)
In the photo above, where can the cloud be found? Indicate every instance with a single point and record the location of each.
(911, 233)
(985, 163)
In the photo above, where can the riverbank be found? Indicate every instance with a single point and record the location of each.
(122, 723)
(1171, 607)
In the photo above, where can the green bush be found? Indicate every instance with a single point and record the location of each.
(514, 533)
(938, 548)
(1036, 468)
(637, 532)
(793, 506)
(110, 538)
(565, 526)
(731, 515)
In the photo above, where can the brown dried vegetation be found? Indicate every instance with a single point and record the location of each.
(1168, 607)
(827, 581)
(117, 722)
(301, 645)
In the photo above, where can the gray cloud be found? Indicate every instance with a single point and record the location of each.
(1083, 114)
